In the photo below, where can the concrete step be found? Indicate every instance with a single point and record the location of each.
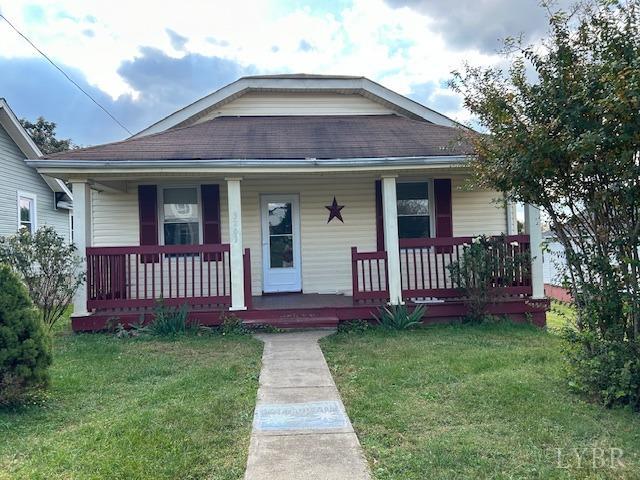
(295, 322)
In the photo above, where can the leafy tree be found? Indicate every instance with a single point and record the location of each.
(564, 134)
(43, 134)
(49, 267)
(25, 351)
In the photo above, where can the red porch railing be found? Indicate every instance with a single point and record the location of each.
(137, 276)
(246, 264)
(425, 274)
(369, 275)
(424, 269)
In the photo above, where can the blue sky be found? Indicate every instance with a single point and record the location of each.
(145, 59)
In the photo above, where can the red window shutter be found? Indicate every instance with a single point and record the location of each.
(379, 218)
(148, 212)
(444, 219)
(211, 233)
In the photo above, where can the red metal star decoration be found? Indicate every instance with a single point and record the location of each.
(334, 210)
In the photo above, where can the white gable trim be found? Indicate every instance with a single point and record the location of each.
(17, 133)
(360, 85)
(27, 146)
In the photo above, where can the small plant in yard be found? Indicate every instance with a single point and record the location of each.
(354, 326)
(48, 266)
(25, 352)
(483, 269)
(398, 317)
(169, 321)
(232, 325)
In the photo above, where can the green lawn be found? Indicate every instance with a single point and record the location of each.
(490, 401)
(135, 409)
(560, 315)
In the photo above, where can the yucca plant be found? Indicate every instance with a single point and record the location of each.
(398, 317)
(168, 321)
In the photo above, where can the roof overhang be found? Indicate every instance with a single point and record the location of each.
(358, 85)
(76, 168)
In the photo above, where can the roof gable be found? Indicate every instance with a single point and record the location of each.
(18, 134)
(386, 100)
(10, 123)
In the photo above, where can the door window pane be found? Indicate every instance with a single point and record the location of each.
(280, 219)
(281, 251)
(181, 216)
(280, 234)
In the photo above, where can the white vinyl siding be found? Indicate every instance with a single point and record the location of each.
(115, 218)
(475, 212)
(16, 175)
(325, 247)
(261, 104)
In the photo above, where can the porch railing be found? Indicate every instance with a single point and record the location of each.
(424, 266)
(424, 271)
(137, 276)
(369, 275)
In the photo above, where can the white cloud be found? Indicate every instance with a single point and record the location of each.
(395, 46)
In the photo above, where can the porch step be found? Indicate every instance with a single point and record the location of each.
(295, 321)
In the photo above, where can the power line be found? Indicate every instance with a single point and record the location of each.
(66, 76)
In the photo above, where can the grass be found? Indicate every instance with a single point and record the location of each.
(486, 401)
(559, 316)
(137, 408)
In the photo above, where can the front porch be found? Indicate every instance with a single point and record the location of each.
(220, 249)
(124, 283)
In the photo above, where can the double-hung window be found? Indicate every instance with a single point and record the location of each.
(181, 215)
(27, 212)
(414, 217)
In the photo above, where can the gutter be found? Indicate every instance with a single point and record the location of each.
(249, 163)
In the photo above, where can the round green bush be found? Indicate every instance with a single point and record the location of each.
(25, 352)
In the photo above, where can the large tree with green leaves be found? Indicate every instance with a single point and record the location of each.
(563, 123)
(43, 134)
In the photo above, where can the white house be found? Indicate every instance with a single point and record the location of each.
(28, 199)
(287, 199)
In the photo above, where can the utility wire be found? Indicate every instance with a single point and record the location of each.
(65, 74)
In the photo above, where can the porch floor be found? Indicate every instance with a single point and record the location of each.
(279, 301)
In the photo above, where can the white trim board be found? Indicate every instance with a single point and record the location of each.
(359, 85)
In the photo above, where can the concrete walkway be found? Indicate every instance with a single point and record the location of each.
(300, 428)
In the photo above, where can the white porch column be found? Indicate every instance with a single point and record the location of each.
(534, 230)
(81, 239)
(235, 239)
(391, 242)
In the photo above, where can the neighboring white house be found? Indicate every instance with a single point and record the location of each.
(28, 199)
(332, 189)
(553, 259)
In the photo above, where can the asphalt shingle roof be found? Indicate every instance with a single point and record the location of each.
(286, 137)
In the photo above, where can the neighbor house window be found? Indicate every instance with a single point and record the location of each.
(181, 216)
(26, 212)
(413, 210)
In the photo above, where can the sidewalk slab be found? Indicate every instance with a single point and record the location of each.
(301, 429)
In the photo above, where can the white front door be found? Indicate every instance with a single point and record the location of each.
(281, 243)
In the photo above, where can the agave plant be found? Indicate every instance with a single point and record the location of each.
(398, 317)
